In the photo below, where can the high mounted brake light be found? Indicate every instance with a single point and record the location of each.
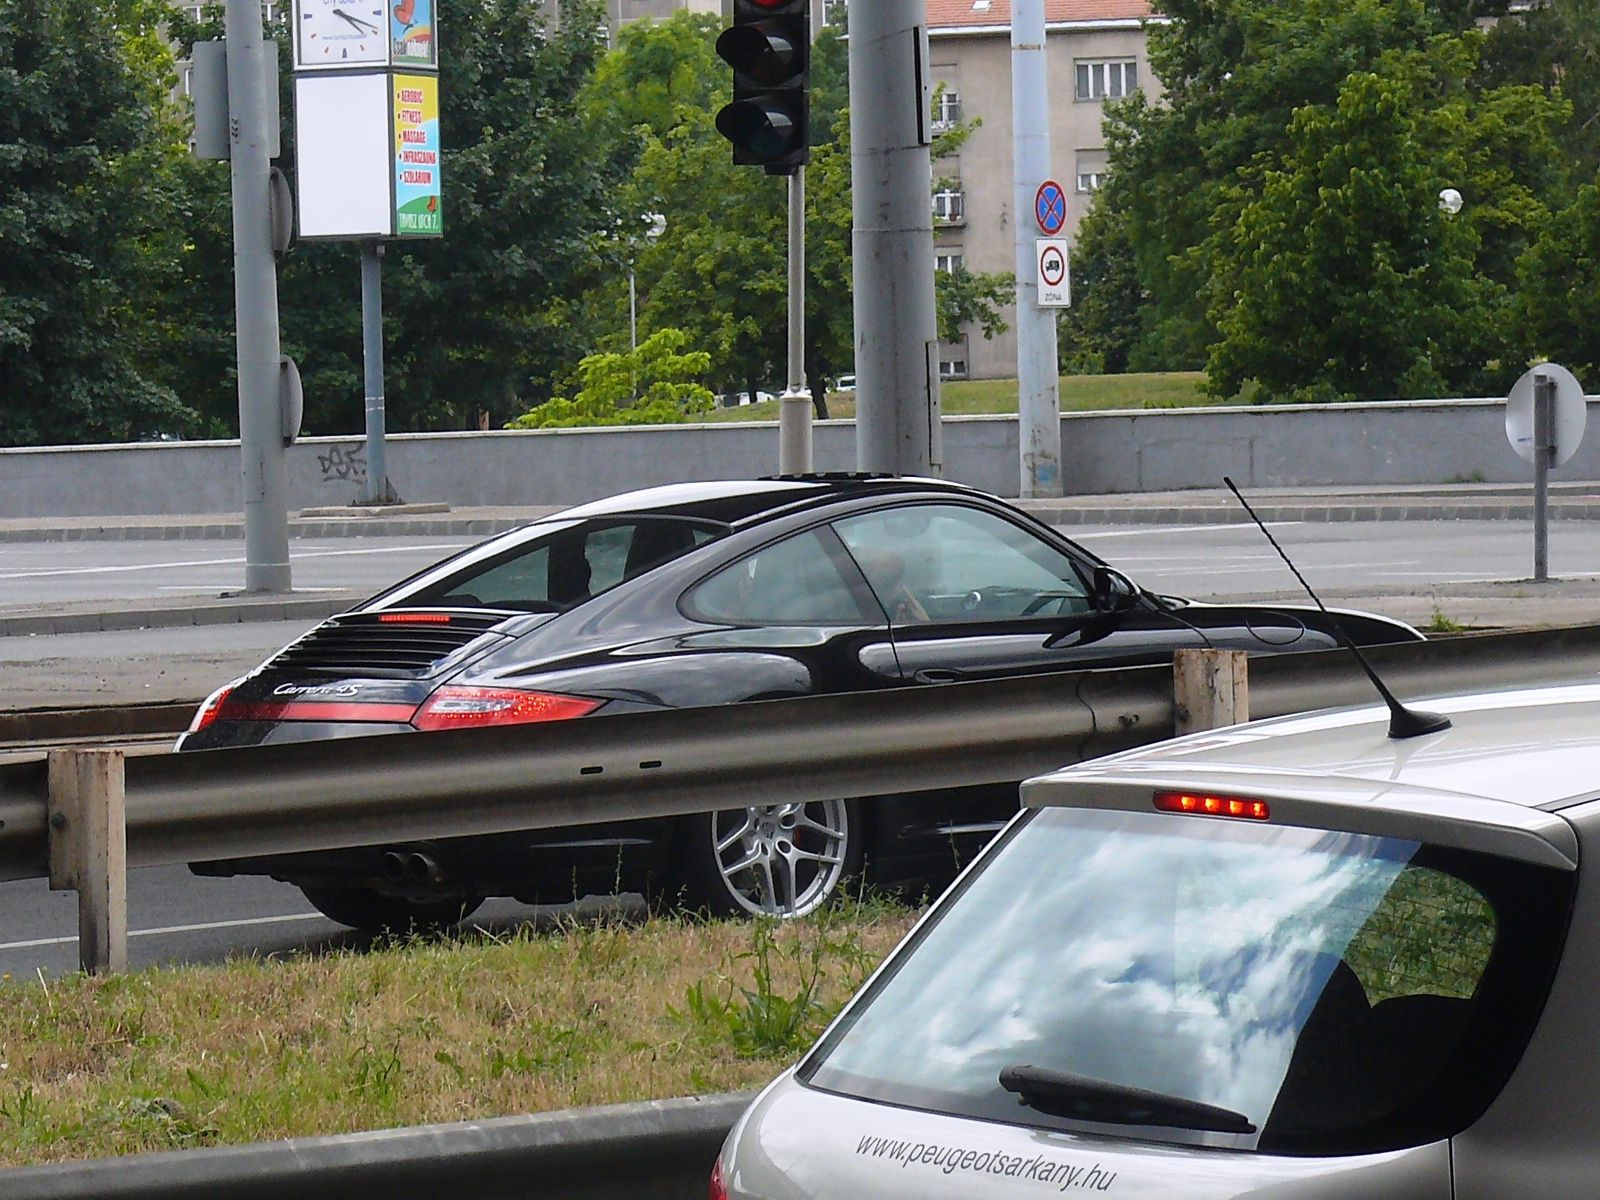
(475, 707)
(413, 618)
(1202, 805)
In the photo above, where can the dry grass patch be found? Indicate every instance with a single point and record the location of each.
(468, 1027)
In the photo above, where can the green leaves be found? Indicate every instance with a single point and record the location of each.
(82, 127)
(1276, 217)
(653, 385)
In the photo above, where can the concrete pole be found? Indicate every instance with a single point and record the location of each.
(897, 338)
(1038, 380)
(255, 291)
(794, 408)
(372, 363)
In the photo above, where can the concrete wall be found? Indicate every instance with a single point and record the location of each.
(1413, 442)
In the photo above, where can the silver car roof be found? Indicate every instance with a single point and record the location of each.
(1493, 781)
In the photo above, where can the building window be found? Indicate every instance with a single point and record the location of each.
(949, 206)
(946, 108)
(188, 80)
(948, 261)
(952, 368)
(1107, 80)
(1091, 181)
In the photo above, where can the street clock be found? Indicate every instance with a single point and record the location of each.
(340, 33)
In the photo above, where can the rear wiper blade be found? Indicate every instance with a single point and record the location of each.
(1087, 1099)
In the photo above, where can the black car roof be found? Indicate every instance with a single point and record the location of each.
(735, 501)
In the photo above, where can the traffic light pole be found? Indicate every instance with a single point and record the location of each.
(255, 289)
(897, 338)
(794, 409)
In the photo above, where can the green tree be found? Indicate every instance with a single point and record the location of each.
(1099, 332)
(1233, 73)
(1555, 45)
(656, 384)
(1341, 278)
(720, 269)
(657, 67)
(85, 144)
(1558, 301)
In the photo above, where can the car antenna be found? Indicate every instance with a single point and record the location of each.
(1403, 722)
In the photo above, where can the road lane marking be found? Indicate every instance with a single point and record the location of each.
(223, 562)
(223, 587)
(202, 927)
(1148, 530)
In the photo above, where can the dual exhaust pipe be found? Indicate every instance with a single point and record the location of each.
(409, 868)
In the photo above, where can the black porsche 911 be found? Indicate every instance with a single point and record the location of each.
(699, 594)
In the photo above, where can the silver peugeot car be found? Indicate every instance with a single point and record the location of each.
(1297, 958)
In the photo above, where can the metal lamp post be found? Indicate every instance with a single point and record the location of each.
(655, 226)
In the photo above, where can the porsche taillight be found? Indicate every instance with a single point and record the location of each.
(476, 707)
(210, 707)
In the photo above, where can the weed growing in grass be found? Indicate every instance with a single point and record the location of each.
(21, 1111)
(375, 1073)
(781, 1011)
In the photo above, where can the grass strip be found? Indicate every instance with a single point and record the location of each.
(469, 1026)
(976, 397)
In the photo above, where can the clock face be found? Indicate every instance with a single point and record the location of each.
(340, 33)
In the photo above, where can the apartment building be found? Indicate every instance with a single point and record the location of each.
(1095, 51)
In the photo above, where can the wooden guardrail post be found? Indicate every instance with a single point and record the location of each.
(1211, 688)
(88, 836)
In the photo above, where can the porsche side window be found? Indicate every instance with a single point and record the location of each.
(792, 582)
(938, 562)
(568, 566)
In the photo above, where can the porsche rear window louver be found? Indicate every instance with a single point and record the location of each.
(362, 643)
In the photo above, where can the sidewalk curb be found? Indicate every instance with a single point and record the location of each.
(221, 611)
(234, 530)
(1051, 511)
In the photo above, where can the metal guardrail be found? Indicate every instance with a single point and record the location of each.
(656, 1150)
(319, 795)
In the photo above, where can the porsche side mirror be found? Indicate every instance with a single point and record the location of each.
(1113, 591)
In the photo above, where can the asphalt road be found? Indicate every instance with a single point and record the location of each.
(42, 573)
(1402, 569)
(1195, 560)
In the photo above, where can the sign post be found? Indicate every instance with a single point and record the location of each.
(1545, 417)
(1038, 373)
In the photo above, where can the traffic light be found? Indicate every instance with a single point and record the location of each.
(769, 49)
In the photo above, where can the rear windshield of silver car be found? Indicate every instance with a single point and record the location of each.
(1209, 982)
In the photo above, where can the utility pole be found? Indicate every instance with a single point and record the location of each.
(1038, 379)
(255, 290)
(897, 335)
